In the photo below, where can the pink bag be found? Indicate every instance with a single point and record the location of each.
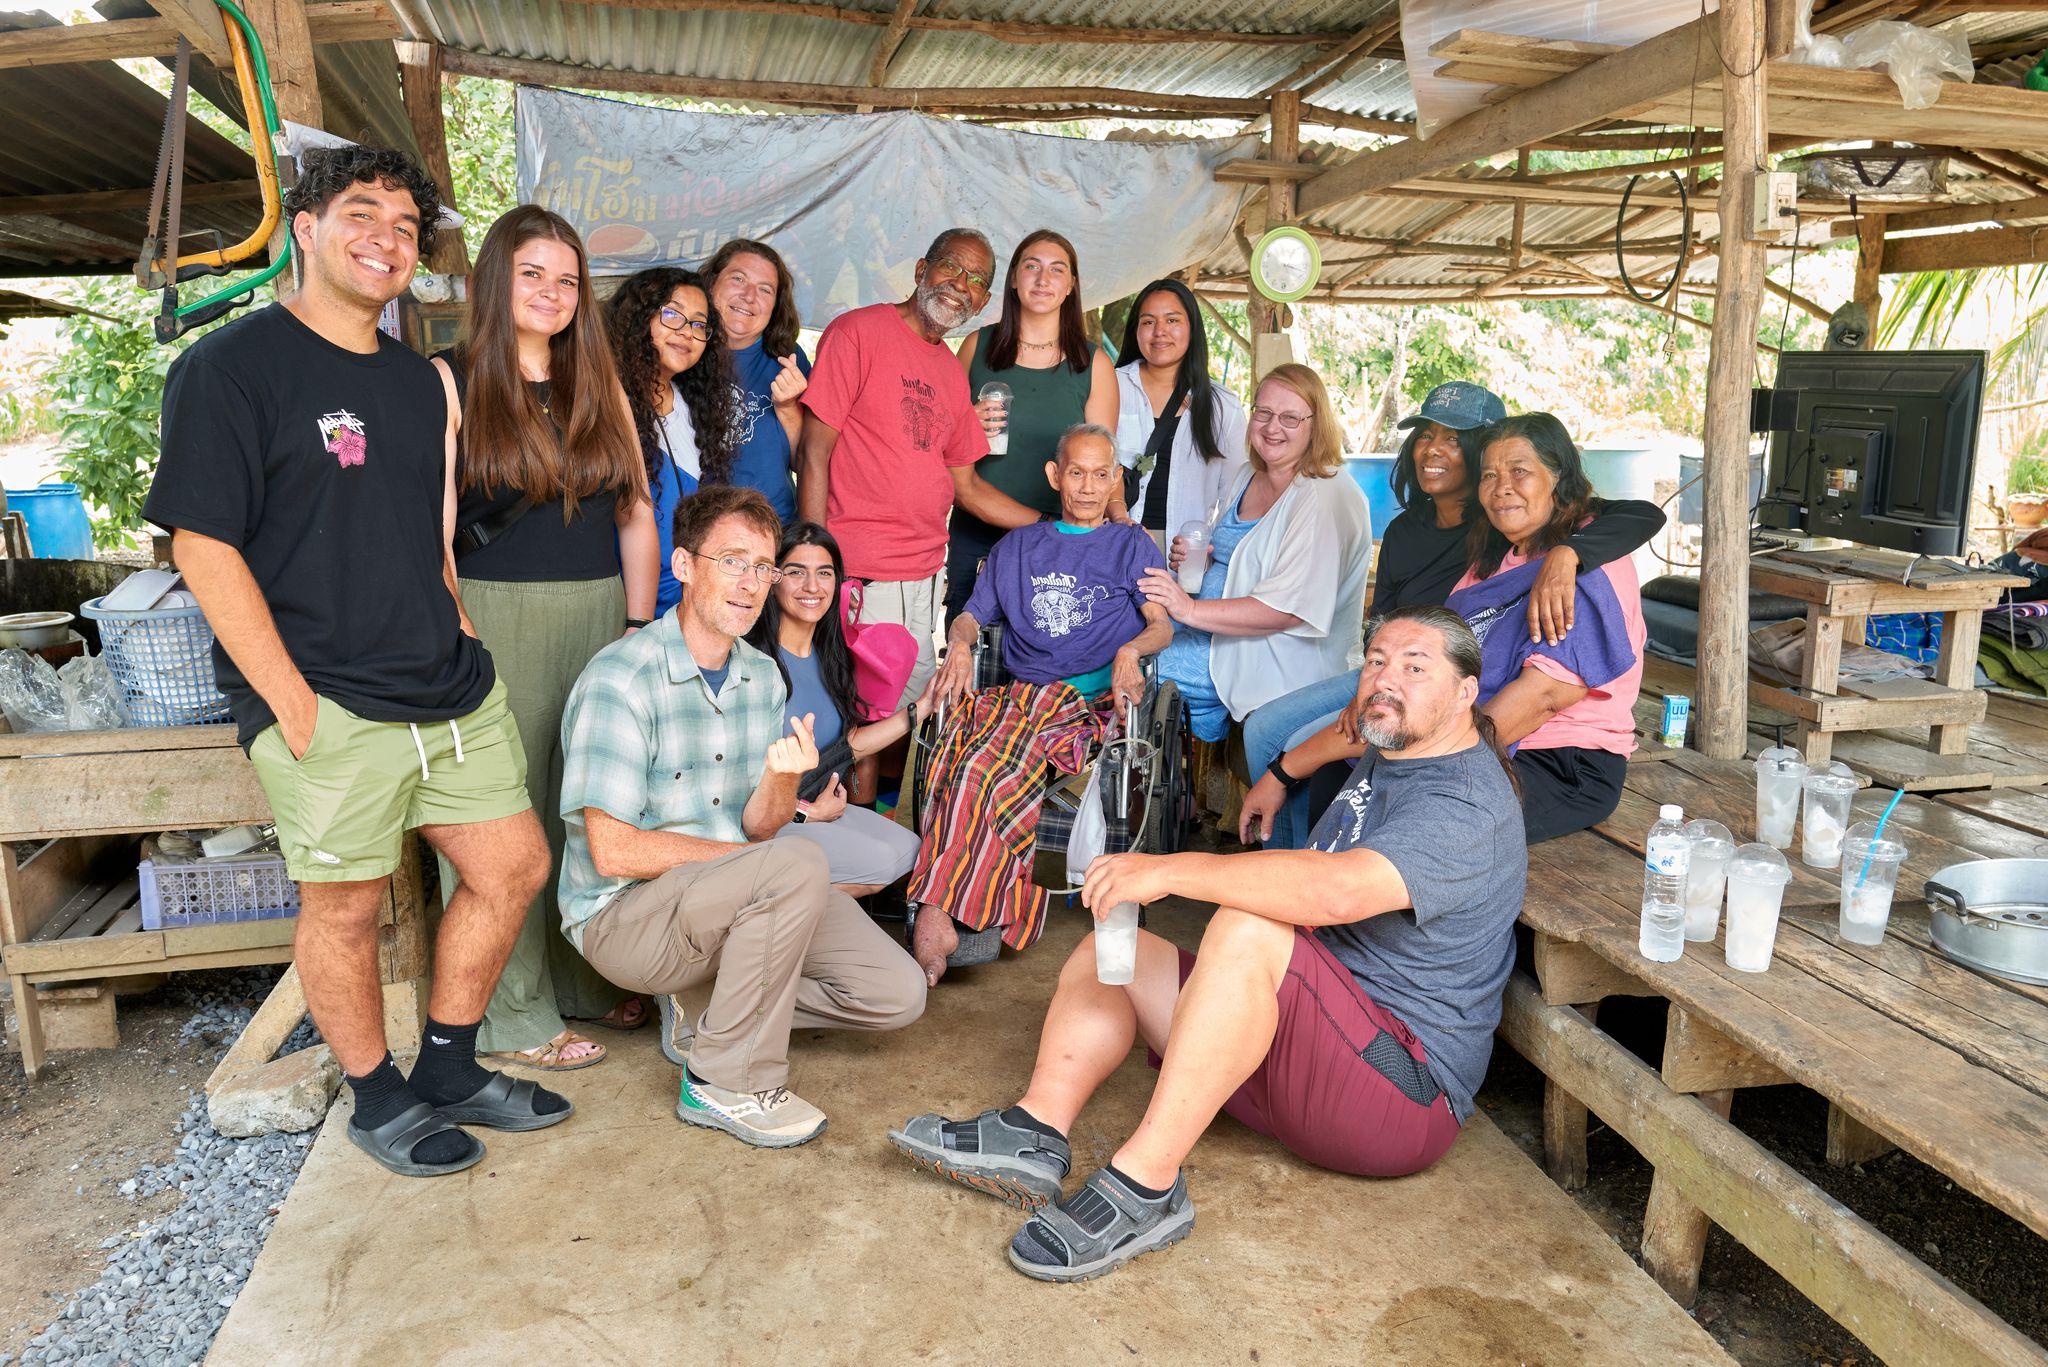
(884, 654)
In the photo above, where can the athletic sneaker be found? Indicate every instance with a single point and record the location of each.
(676, 1033)
(1022, 1166)
(1100, 1228)
(775, 1119)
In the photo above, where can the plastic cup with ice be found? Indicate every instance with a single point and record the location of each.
(1706, 874)
(1870, 874)
(1756, 889)
(1194, 539)
(999, 441)
(1825, 815)
(1779, 772)
(1116, 945)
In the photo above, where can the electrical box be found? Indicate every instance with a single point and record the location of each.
(1774, 207)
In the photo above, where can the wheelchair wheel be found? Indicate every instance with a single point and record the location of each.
(1167, 730)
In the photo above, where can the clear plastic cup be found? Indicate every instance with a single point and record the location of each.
(1824, 819)
(1779, 772)
(1706, 874)
(1756, 889)
(998, 442)
(1116, 945)
(1196, 563)
(1870, 872)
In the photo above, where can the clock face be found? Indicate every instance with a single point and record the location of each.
(1285, 264)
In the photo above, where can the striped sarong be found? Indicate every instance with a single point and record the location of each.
(987, 780)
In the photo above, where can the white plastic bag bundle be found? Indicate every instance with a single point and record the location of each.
(1090, 837)
(1917, 59)
(81, 696)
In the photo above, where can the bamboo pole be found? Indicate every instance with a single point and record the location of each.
(1870, 274)
(1723, 702)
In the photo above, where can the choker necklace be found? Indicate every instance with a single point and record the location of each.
(1037, 346)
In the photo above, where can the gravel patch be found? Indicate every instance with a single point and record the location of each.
(168, 1283)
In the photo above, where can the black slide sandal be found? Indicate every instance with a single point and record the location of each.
(504, 1103)
(393, 1142)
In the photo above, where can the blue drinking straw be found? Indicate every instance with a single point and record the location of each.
(1876, 833)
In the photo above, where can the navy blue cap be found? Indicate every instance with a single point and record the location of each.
(1461, 405)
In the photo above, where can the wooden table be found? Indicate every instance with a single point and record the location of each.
(1837, 606)
(1910, 1049)
(68, 909)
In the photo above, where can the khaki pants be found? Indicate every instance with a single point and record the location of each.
(785, 948)
(917, 604)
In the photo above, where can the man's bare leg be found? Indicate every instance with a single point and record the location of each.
(1090, 1027)
(1222, 1029)
(335, 947)
(503, 865)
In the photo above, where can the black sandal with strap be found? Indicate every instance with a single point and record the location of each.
(505, 1103)
(394, 1142)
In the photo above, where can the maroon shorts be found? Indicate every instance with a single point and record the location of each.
(1344, 1084)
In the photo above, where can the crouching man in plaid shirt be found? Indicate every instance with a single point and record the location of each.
(675, 776)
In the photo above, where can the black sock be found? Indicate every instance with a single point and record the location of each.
(1024, 1120)
(382, 1094)
(1149, 1193)
(447, 1071)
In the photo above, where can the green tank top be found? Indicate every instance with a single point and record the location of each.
(1043, 404)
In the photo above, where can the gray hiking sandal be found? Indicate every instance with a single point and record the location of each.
(1100, 1228)
(987, 1153)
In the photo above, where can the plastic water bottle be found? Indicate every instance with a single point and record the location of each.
(1666, 855)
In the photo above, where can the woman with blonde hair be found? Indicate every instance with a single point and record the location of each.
(1283, 598)
(555, 557)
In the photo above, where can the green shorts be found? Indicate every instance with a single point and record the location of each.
(343, 808)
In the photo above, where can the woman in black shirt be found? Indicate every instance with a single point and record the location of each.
(555, 551)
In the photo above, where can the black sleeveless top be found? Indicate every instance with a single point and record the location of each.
(540, 546)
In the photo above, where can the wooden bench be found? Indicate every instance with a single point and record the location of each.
(69, 909)
(1909, 1048)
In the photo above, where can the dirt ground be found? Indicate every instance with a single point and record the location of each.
(66, 1144)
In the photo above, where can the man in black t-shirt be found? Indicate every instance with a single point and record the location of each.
(308, 483)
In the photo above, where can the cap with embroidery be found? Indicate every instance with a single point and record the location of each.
(1459, 404)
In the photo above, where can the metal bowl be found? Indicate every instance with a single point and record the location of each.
(36, 630)
(1992, 914)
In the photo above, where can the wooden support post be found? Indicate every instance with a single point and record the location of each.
(294, 83)
(1674, 1229)
(1520, 213)
(1851, 1141)
(1956, 667)
(1270, 343)
(419, 67)
(1564, 1127)
(1869, 272)
(1723, 702)
(1821, 674)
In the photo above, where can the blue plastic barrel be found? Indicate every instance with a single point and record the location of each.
(58, 528)
(1374, 474)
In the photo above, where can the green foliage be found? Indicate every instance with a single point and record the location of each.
(481, 158)
(105, 392)
(24, 412)
(2027, 475)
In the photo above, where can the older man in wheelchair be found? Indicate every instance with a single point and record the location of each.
(1075, 633)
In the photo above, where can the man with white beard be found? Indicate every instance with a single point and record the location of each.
(890, 440)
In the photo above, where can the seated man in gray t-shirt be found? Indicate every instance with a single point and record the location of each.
(1343, 1002)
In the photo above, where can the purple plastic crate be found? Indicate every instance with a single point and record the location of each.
(209, 892)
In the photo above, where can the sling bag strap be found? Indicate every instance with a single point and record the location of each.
(1156, 446)
(471, 537)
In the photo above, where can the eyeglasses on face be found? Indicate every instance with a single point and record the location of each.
(945, 270)
(1289, 422)
(738, 567)
(674, 321)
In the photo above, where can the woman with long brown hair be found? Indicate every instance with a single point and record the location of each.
(555, 549)
(1039, 347)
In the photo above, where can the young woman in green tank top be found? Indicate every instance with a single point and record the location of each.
(1040, 349)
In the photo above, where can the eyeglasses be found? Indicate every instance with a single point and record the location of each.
(736, 567)
(1289, 422)
(675, 322)
(946, 270)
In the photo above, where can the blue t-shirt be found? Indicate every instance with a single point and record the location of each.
(761, 452)
(807, 694)
(1068, 602)
(1453, 827)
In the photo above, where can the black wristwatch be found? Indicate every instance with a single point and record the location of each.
(1287, 780)
(801, 816)
(634, 622)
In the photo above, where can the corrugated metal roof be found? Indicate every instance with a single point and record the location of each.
(55, 147)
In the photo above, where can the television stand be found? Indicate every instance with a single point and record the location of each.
(1840, 592)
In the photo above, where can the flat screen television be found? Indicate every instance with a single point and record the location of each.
(1879, 447)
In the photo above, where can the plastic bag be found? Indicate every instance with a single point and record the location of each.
(1918, 59)
(1090, 837)
(82, 696)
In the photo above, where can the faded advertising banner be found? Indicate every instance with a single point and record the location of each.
(851, 201)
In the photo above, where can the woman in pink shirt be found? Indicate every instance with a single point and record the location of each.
(1568, 708)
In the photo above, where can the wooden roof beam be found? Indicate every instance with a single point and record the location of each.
(1611, 85)
(1953, 216)
(200, 22)
(1966, 251)
(1004, 31)
(341, 21)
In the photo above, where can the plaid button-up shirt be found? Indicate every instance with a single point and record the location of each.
(645, 740)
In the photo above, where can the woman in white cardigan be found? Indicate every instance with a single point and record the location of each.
(1179, 435)
(1283, 598)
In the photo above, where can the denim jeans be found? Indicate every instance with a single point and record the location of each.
(1271, 731)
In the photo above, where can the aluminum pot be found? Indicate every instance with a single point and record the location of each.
(1992, 914)
(36, 630)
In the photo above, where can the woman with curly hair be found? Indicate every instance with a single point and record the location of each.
(755, 296)
(671, 352)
